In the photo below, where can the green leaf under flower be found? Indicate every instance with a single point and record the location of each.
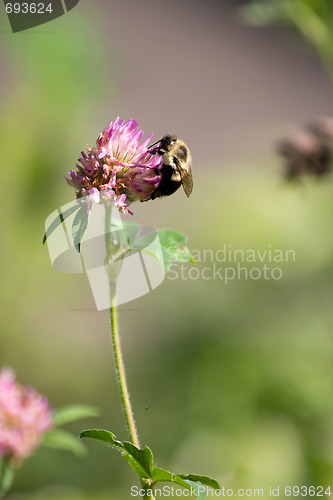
(59, 220)
(172, 244)
(174, 247)
(72, 413)
(165, 245)
(143, 242)
(79, 227)
(132, 230)
(63, 440)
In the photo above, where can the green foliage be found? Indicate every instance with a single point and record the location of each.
(141, 462)
(172, 244)
(173, 247)
(129, 236)
(79, 226)
(260, 13)
(64, 440)
(205, 480)
(59, 220)
(71, 413)
(165, 245)
(312, 18)
(55, 438)
(6, 475)
(102, 435)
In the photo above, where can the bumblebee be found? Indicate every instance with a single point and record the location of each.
(176, 169)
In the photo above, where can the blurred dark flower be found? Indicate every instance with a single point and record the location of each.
(308, 151)
(119, 168)
(25, 416)
(323, 129)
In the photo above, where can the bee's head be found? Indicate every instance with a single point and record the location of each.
(167, 142)
(164, 145)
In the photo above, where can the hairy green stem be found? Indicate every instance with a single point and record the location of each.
(121, 375)
(111, 249)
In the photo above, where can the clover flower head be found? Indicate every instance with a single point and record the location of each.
(306, 152)
(309, 150)
(119, 168)
(25, 416)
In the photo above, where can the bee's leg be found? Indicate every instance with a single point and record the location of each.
(153, 151)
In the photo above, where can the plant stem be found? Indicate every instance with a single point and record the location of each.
(148, 487)
(121, 375)
(111, 248)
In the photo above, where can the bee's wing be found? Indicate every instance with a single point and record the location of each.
(185, 175)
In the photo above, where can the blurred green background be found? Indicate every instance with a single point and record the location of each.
(233, 381)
